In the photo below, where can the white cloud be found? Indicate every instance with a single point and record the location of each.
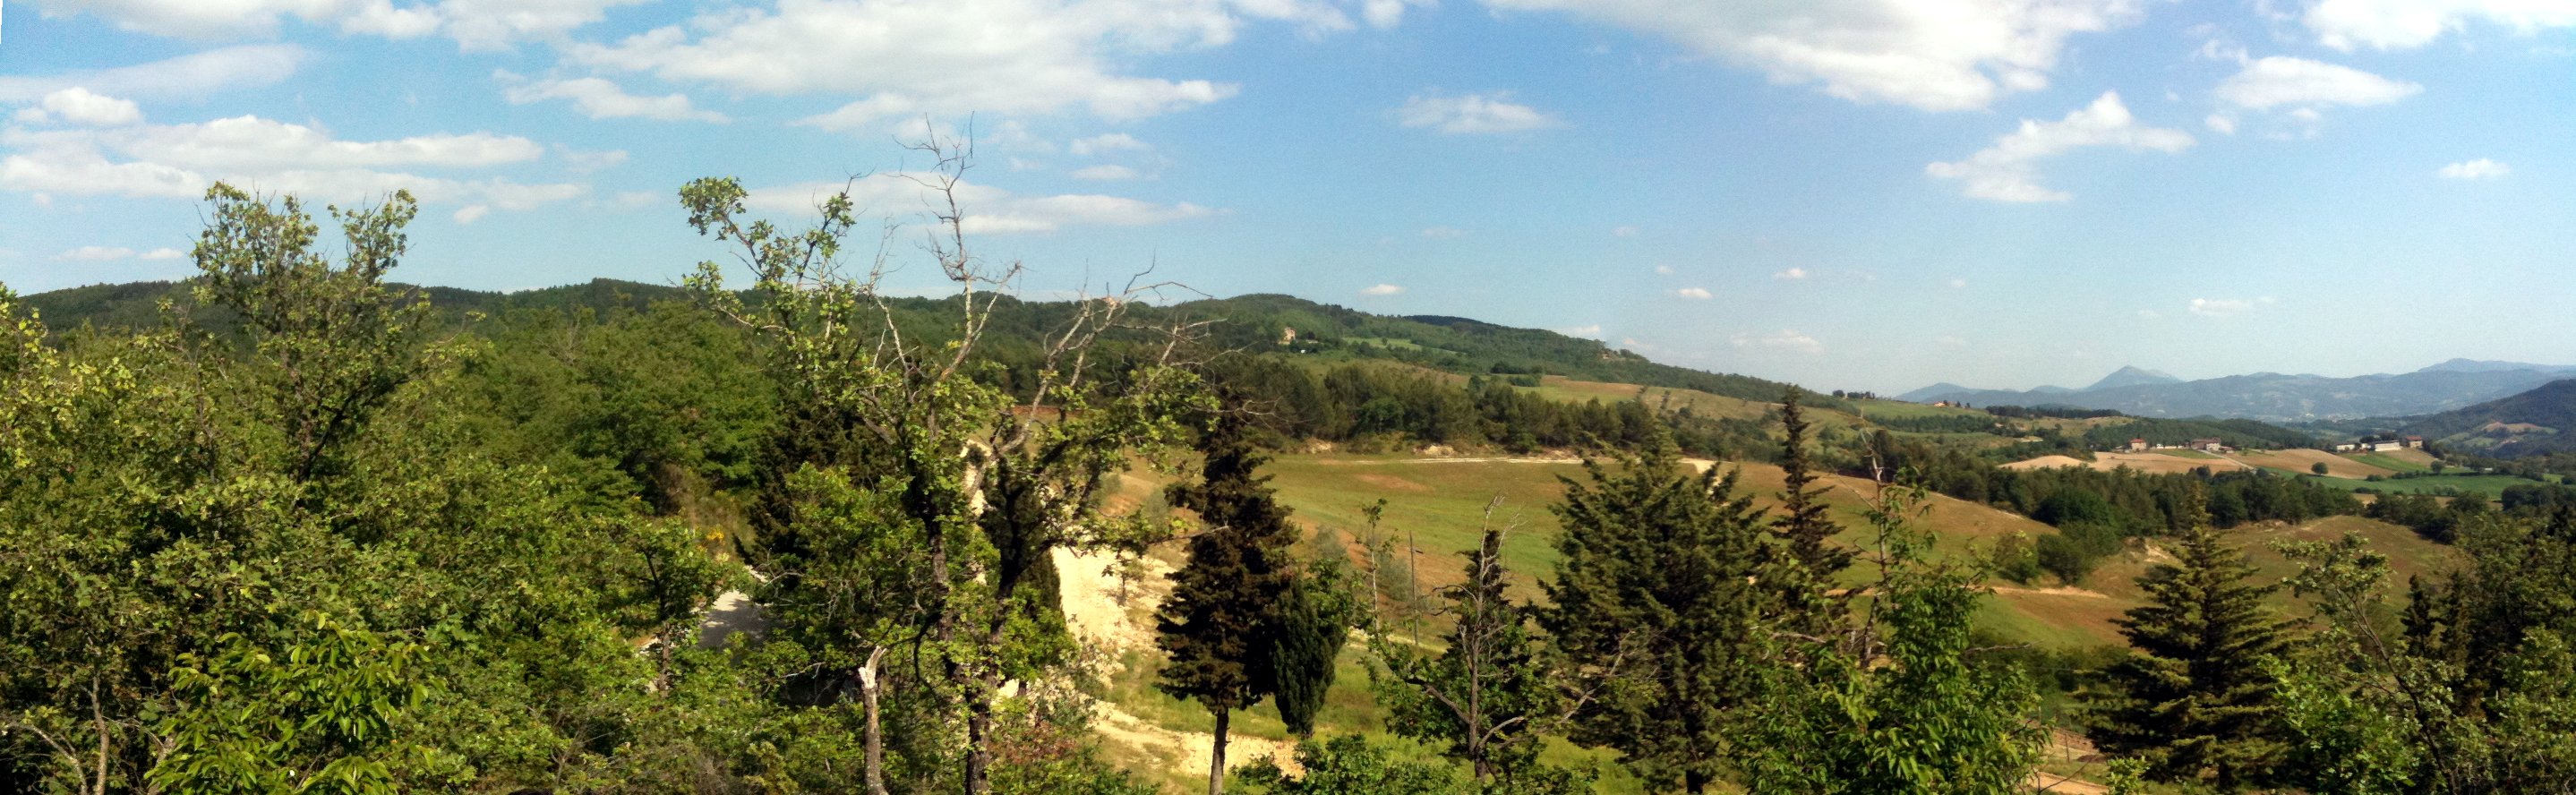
(1663, 270)
(185, 77)
(1694, 293)
(179, 161)
(2009, 170)
(471, 213)
(2149, 314)
(2281, 80)
(989, 210)
(2480, 168)
(1382, 289)
(2406, 24)
(902, 58)
(79, 106)
(1103, 144)
(1952, 55)
(1958, 283)
(1386, 14)
(1791, 274)
(601, 99)
(1472, 114)
(2226, 307)
(164, 252)
(2219, 123)
(475, 24)
(1623, 231)
(1106, 173)
(1589, 332)
(96, 253)
(1443, 232)
(1783, 340)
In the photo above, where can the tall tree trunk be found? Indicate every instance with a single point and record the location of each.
(979, 743)
(1216, 755)
(875, 772)
(1694, 782)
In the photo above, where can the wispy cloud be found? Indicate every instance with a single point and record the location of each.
(1383, 289)
(2009, 170)
(1784, 340)
(2226, 307)
(1472, 114)
(1694, 293)
(1443, 232)
(2480, 168)
(1791, 274)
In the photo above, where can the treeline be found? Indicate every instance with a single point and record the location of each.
(1376, 407)
(2231, 432)
(2142, 503)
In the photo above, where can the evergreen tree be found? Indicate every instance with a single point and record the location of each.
(2194, 697)
(1215, 625)
(1311, 624)
(1491, 691)
(1656, 580)
(1810, 559)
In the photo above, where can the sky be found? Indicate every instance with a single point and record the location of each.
(1849, 194)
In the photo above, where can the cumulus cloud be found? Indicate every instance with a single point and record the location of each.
(79, 106)
(904, 58)
(2009, 170)
(471, 213)
(1934, 56)
(600, 99)
(2480, 168)
(2220, 123)
(2281, 80)
(989, 210)
(185, 77)
(1106, 173)
(96, 253)
(164, 252)
(179, 161)
(475, 24)
(1782, 340)
(2406, 24)
(1792, 273)
(1443, 232)
(1694, 293)
(1382, 289)
(1958, 283)
(1472, 114)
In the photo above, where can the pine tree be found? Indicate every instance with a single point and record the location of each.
(1311, 624)
(1491, 690)
(1656, 580)
(1216, 625)
(2194, 696)
(1810, 559)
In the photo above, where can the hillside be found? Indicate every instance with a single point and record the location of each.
(1259, 322)
(2277, 397)
(2540, 421)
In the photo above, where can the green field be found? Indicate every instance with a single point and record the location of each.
(2491, 485)
(2388, 462)
(1901, 410)
(2190, 454)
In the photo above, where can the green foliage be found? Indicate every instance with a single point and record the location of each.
(1809, 560)
(2194, 697)
(1217, 625)
(1932, 719)
(1313, 622)
(1493, 689)
(317, 718)
(1351, 765)
(1656, 585)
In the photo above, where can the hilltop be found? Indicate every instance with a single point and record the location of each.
(2540, 421)
(2277, 397)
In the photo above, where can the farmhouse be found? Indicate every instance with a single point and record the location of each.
(2208, 445)
(2137, 445)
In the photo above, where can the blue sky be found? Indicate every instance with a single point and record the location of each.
(1852, 194)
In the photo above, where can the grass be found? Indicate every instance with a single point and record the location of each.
(1901, 410)
(2190, 454)
(2389, 462)
(2491, 485)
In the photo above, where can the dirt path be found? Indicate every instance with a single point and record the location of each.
(2056, 591)
(1092, 611)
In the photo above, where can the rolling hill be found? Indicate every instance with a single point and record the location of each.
(2542, 420)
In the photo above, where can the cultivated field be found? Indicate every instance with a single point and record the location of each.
(2158, 462)
(2302, 462)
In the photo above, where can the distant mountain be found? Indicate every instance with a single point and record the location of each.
(2131, 376)
(2489, 366)
(2051, 390)
(1933, 392)
(2542, 420)
(2277, 397)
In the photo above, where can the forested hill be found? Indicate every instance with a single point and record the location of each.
(1258, 322)
(2540, 421)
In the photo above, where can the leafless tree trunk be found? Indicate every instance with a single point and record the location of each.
(868, 688)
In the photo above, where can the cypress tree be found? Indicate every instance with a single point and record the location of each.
(2194, 695)
(1216, 627)
(1495, 686)
(1810, 559)
(1311, 624)
(1656, 580)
